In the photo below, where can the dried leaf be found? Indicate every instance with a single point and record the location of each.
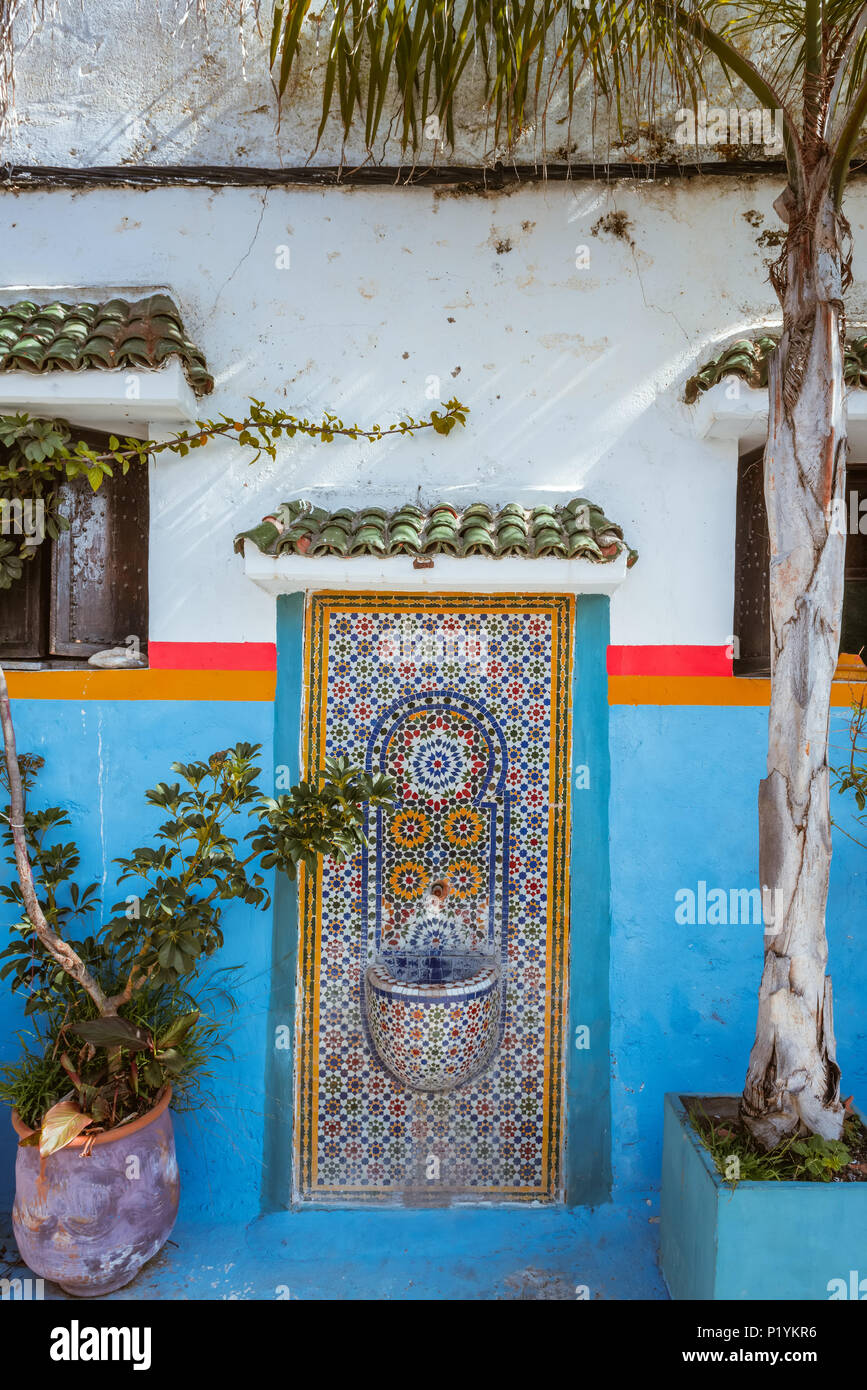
(60, 1125)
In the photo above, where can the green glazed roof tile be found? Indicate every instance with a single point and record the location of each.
(303, 525)
(551, 542)
(477, 511)
(512, 524)
(368, 540)
(440, 538)
(442, 526)
(477, 540)
(266, 535)
(444, 516)
(584, 545)
(748, 358)
(119, 333)
(332, 540)
(404, 536)
(578, 528)
(513, 541)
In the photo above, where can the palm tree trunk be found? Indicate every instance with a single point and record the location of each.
(793, 1081)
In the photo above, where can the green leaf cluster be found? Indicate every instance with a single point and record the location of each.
(112, 1065)
(851, 776)
(812, 1159)
(113, 1069)
(318, 819)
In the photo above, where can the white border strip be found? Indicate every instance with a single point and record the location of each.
(103, 399)
(292, 574)
(733, 410)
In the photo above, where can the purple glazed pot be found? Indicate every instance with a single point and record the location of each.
(90, 1223)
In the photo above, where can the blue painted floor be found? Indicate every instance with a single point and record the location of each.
(456, 1254)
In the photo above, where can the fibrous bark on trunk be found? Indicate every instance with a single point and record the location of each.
(793, 1082)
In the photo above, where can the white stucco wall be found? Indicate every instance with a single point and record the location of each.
(573, 376)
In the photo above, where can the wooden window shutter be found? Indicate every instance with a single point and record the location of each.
(99, 580)
(752, 617)
(24, 609)
(853, 635)
(752, 613)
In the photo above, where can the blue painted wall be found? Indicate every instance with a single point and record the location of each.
(279, 1076)
(684, 998)
(99, 760)
(588, 1073)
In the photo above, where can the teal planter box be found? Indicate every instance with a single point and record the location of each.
(764, 1240)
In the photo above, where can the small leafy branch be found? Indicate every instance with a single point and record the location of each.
(37, 455)
(300, 826)
(853, 776)
(111, 1031)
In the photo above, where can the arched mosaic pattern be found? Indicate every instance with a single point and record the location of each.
(447, 755)
(464, 700)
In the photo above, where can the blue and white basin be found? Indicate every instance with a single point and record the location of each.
(434, 1015)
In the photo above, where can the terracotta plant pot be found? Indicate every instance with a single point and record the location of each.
(89, 1223)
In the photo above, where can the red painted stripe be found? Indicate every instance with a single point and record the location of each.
(669, 661)
(212, 656)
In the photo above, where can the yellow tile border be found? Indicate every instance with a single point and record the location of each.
(319, 606)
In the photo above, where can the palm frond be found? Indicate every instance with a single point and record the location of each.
(404, 65)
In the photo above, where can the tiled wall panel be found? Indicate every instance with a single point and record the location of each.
(464, 700)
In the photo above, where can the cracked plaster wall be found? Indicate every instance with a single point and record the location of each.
(573, 376)
(126, 81)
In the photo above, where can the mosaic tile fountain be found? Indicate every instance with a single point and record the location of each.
(431, 968)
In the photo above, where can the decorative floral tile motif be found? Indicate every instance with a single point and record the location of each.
(464, 700)
(448, 756)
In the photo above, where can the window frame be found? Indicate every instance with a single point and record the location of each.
(72, 589)
(750, 493)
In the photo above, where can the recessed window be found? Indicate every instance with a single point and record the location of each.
(752, 614)
(86, 591)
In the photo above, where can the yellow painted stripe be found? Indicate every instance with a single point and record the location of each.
(261, 685)
(706, 690)
(142, 685)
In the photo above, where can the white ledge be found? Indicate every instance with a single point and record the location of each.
(292, 574)
(107, 400)
(733, 410)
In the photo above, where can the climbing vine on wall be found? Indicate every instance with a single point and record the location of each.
(37, 456)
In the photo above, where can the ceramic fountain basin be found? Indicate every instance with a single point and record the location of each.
(439, 1027)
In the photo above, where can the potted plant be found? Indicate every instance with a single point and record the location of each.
(740, 1222)
(123, 1016)
(744, 1220)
